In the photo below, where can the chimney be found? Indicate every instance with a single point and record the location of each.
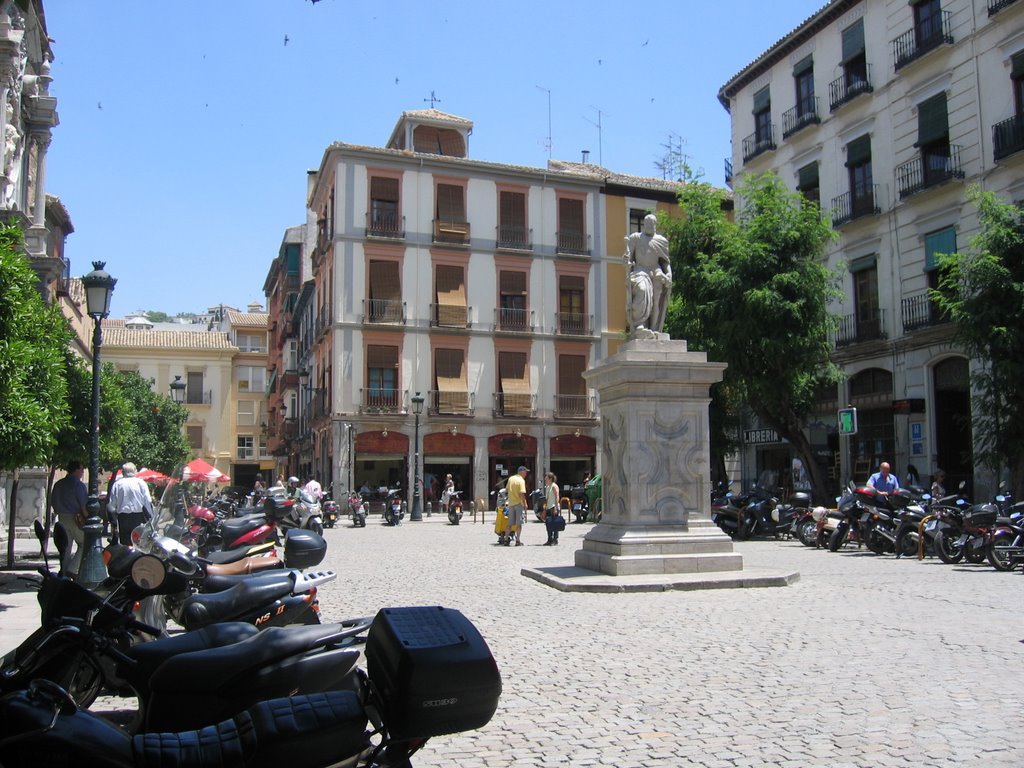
(586, 156)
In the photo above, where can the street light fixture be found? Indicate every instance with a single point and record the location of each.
(178, 390)
(99, 285)
(417, 510)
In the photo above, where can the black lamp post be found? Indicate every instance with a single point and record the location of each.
(178, 390)
(417, 510)
(99, 285)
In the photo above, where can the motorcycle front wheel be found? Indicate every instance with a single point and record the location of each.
(837, 539)
(807, 532)
(907, 543)
(1000, 550)
(947, 546)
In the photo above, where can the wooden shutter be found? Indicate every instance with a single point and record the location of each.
(762, 100)
(450, 289)
(384, 281)
(383, 188)
(378, 356)
(512, 283)
(450, 203)
(805, 64)
(807, 177)
(853, 41)
(570, 375)
(858, 151)
(932, 120)
(450, 372)
(512, 209)
(570, 216)
(515, 384)
(941, 243)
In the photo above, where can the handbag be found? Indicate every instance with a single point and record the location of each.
(557, 522)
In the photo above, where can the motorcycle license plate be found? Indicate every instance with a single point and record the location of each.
(931, 525)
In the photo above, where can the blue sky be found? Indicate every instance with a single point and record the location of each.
(186, 129)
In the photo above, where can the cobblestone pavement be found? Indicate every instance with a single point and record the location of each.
(865, 661)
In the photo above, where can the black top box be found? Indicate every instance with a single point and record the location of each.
(433, 670)
(303, 549)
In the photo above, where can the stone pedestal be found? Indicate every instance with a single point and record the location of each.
(654, 397)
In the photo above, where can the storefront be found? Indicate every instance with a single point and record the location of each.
(572, 459)
(506, 453)
(381, 462)
(447, 453)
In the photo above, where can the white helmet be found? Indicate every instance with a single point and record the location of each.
(293, 480)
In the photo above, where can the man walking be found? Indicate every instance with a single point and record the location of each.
(516, 488)
(130, 504)
(68, 499)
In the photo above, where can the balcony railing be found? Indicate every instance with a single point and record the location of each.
(384, 311)
(927, 171)
(575, 407)
(1007, 137)
(854, 330)
(756, 143)
(924, 37)
(574, 323)
(509, 405)
(381, 401)
(450, 403)
(848, 206)
(572, 243)
(728, 170)
(451, 231)
(514, 237)
(387, 224)
(513, 320)
(920, 311)
(995, 6)
(199, 397)
(847, 87)
(803, 114)
(319, 405)
(324, 319)
(449, 316)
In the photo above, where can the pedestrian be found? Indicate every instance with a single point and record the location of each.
(313, 488)
(129, 503)
(551, 496)
(883, 480)
(516, 488)
(938, 484)
(257, 487)
(912, 479)
(68, 499)
(446, 494)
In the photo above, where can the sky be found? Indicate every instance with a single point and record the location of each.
(186, 129)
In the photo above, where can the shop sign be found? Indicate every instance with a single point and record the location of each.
(761, 436)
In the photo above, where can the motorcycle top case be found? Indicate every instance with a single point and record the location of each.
(303, 549)
(983, 515)
(433, 670)
(277, 508)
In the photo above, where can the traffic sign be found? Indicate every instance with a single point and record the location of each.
(847, 421)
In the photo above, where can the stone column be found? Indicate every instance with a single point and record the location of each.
(654, 397)
(41, 139)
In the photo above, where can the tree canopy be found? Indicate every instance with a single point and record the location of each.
(153, 437)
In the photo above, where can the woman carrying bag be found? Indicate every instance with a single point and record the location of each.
(553, 520)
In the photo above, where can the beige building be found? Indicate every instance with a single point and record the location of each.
(885, 111)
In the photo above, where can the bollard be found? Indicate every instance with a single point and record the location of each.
(92, 571)
(430, 510)
(472, 509)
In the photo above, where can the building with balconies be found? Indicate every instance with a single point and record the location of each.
(923, 98)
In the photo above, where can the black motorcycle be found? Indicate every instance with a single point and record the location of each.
(579, 504)
(329, 508)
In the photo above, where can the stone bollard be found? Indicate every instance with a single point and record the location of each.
(430, 508)
(92, 571)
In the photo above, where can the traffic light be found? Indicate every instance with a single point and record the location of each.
(847, 421)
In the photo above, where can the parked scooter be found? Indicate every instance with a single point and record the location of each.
(394, 507)
(330, 511)
(357, 509)
(454, 505)
(304, 513)
(579, 506)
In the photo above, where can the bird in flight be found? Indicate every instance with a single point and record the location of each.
(99, 105)
(286, 39)
(645, 42)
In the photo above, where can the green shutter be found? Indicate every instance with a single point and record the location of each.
(938, 243)
(1017, 67)
(804, 65)
(807, 177)
(864, 262)
(932, 120)
(853, 41)
(762, 100)
(858, 151)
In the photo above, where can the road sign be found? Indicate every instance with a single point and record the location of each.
(847, 421)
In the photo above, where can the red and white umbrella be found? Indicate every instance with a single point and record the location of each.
(152, 476)
(199, 471)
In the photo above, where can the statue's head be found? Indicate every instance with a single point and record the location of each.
(650, 224)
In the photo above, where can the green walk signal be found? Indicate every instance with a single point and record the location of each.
(847, 421)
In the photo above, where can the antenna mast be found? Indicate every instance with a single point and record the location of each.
(600, 153)
(547, 141)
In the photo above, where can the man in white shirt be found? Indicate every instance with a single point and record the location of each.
(129, 504)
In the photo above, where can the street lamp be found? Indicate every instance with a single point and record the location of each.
(417, 511)
(178, 390)
(99, 285)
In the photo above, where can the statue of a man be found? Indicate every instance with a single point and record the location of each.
(650, 279)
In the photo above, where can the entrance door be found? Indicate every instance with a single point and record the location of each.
(953, 438)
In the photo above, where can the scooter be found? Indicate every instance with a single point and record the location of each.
(454, 507)
(394, 507)
(330, 511)
(304, 513)
(579, 507)
(357, 509)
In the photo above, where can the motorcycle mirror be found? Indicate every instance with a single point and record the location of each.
(148, 572)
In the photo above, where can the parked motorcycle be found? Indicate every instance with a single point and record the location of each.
(454, 507)
(330, 511)
(305, 513)
(394, 507)
(357, 509)
(579, 506)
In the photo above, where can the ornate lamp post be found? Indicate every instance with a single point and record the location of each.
(99, 285)
(417, 510)
(178, 390)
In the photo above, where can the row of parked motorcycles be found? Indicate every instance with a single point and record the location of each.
(905, 522)
(252, 678)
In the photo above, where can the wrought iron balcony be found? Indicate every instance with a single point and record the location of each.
(514, 320)
(803, 114)
(848, 206)
(995, 6)
(756, 143)
(919, 311)
(451, 231)
(381, 401)
(514, 237)
(928, 170)
(1008, 137)
(847, 87)
(449, 316)
(386, 224)
(384, 311)
(572, 243)
(199, 396)
(449, 403)
(854, 330)
(510, 405)
(575, 407)
(574, 324)
(923, 38)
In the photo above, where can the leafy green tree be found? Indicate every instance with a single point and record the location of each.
(754, 293)
(982, 291)
(158, 317)
(154, 436)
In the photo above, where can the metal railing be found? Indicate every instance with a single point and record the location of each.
(928, 170)
(509, 405)
(803, 114)
(854, 330)
(919, 311)
(728, 170)
(848, 207)
(386, 224)
(575, 406)
(574, 324)
(324, 319)
(450, 403)
(451, 231)
(384, 311)
(848, 86)
(514, 320)
(515, 237)
(381, 401)
(1007, 137)
(200, 397)
(924, 37)
(449, 316)
(572, 243)
(756, 143)
(995, 6)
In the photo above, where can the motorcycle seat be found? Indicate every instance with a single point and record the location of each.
(217, 582)
(243, 567)
(233, 527)
(233, 555)
(208, 608)
(149, 656)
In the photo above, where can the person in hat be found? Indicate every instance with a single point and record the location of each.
(516, 488)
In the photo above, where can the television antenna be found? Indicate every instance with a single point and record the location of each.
(600, 153)
(547, 141)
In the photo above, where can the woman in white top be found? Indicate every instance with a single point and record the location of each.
(551, 495)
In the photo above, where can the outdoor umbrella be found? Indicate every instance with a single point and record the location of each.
(152, 476)
(199, 471)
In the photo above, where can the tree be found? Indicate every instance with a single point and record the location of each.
(158, 317)
(982, 291)
(154, 435)
(754, 294)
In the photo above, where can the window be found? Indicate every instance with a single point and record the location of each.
(450, 381)
(854, 63)
(803, 79)
(384, 198)
(636, 220)
(571, 307)
(927, 23)
(572, 234)
(246, 413)
(858, 164)
(512, 301)
(250, 342)
(195, 437)
(450, 224)
(450, 296)
(194, 394)
(865, 295)
(245, 447)
(263, 445)
(572, 400)
(936, 245)
(933, 139)
(512, 232)
(381, 376)
(1017, 78)
(292, 356)
(515, 396)
(807, 183)
(763, 118)
(250, 378)
(385, 304)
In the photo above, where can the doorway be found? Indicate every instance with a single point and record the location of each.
(953, 436)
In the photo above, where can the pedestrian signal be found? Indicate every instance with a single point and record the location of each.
(847, 421)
